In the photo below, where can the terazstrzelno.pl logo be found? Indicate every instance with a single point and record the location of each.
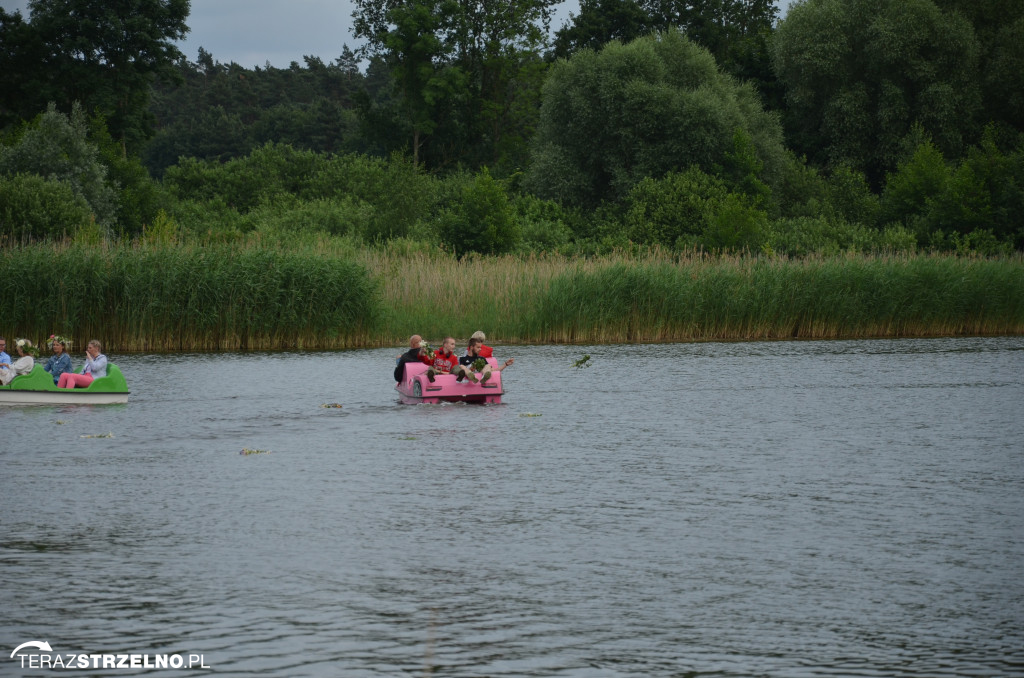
(39, 655)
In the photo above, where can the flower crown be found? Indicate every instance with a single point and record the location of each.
(63, 341)
(26, 346)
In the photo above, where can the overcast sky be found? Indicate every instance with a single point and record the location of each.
(256, 32)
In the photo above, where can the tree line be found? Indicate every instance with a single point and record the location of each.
(714, 124)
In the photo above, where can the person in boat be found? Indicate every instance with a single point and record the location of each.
(60, 361)
(5, 360)
(23, 365)
(417, 353)
(474, 353)
(444, 361)
(485, 351)
(95, 367)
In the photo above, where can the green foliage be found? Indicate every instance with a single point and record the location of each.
(693, 210)
(984, 194)
(849, 198)
(167, 297)
(843, 195)
(483, 221)
(600, 22)
(225, 111)
(140, 199)
(659, 104)
(801, 190)
(34, 208)
(163, 231)
(290, 219)
(466, 75)
(999, 27)
(371, 198)
(57, 147)
(776, 298)
(102, 53)
(804, 236)
(544, 224)
(661, 212)
(267, 173)
(735, 33)
(990, 182)
(741, 169)
(400, 194)
(210, 221)
(418, 57)
(909, 190)
(734, 226)
(860, 74)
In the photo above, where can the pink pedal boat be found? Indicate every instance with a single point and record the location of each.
(416, 388)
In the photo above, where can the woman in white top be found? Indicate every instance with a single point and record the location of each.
(95, 367)
(23, 365)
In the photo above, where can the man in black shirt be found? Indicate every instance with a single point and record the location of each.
(413, 355)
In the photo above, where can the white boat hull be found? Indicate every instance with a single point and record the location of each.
(56, 398)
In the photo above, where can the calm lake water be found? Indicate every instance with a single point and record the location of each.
(753, 509)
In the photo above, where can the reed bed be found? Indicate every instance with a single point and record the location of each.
(329, 294)
(144, 298)
(659, 297)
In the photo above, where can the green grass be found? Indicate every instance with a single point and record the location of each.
(329, 294)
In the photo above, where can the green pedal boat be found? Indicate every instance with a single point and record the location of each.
(37, 388)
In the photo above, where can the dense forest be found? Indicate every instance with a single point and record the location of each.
(848, 125)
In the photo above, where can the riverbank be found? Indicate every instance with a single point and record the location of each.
(186, 297)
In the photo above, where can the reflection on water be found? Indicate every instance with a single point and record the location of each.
(789, 509)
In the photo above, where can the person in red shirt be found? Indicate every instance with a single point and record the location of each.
(485, 351)
(445, 359)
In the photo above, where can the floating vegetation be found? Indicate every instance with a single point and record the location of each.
(531, 414)
(246, 451)
(60, 422)
(336, 406)
(582, 362)
(97, 435)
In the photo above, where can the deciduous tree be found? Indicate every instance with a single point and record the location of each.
(104, 53)
(659, 104)
(860, 74)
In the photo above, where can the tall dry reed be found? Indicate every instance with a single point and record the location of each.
(329, 294)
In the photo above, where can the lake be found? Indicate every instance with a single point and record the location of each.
(823, 508)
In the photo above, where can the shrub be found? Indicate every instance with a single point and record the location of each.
(909, 190)
(849, 198)
(344, 216)
(732, 225)
(56, 147)
(802, 236)
(265, 174)
(399, 193)
(663, 211)
(543, 223)
(483, 221)
(34, 208)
